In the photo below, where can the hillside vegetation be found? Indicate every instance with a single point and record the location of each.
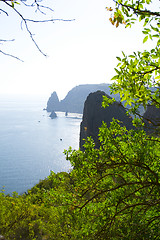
(112, 192)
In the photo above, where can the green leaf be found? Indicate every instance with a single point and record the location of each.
(131, 56)
(119, 59)
(155, 29)
(117, 70)
(156, 35)
(145, 39)
(115, 77)
(157, 78)
(123, 53)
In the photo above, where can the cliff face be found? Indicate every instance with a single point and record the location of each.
(74, 101)
(151, 118)
(94, 114)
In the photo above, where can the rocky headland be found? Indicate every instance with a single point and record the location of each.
(74, 100)
(94, 114)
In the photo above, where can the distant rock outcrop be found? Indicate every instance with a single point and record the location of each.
(74, 100)
(53, 102)
(53, 115)
(94, 114)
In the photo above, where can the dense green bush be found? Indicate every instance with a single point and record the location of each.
(112, 192)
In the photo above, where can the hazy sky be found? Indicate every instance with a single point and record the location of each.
(79, 52)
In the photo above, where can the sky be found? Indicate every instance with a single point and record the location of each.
(82, 51)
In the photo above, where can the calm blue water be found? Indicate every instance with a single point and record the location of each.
(30, 143)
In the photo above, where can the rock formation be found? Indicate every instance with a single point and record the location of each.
(94, 114)
(53, 115)
(74, 100)
(53, 102)
(151, 118)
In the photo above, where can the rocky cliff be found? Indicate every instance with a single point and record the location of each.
(74, 100)
(94, 114)
(152, 118)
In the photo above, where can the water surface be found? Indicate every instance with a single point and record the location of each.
(31, 143)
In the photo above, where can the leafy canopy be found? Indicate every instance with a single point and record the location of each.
(112, 192)
(137, 76)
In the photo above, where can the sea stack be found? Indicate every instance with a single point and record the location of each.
(53, 102)
(53, 115)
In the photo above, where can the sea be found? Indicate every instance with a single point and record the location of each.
(31, 143)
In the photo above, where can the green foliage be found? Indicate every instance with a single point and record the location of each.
(112, 192)
(119, 185)
(138, 75)
(107, 101)
(42, 213)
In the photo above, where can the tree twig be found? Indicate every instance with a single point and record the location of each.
(10, 55)
(26, 20)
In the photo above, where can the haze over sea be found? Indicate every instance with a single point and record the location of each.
(30, 145)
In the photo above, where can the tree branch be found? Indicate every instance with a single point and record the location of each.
(26, 20)
(139, 11)
(7, 40)
(10, 55)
